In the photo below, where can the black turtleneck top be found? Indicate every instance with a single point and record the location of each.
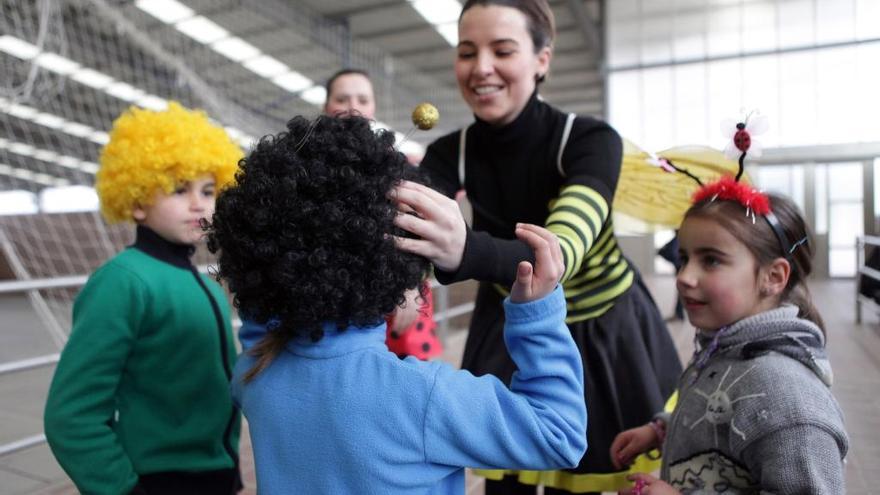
(513, 173)
(158, 247)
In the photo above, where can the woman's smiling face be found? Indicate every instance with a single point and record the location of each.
(497, 65)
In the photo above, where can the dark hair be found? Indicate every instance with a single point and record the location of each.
(539, 18)
(344, 72)
(303, 235)
(761, 241)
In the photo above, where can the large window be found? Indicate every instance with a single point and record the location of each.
(845, 215)
(787, 180)
(678, 68)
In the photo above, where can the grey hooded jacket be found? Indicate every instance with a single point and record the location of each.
(755, 412)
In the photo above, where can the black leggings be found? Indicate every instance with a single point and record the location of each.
(219, 482)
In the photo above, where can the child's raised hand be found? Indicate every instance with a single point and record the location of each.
(645, 484)
(533, 283)
(630, 443)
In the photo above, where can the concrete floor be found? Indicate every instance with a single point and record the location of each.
(854, 351)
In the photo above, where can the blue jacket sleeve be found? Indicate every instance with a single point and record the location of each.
(539, 423)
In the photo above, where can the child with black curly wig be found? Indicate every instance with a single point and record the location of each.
(412, 330)
(140, 398)
(307, 244)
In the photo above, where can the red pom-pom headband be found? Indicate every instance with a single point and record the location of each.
(730, 189)
(754, 201)
(727, 188)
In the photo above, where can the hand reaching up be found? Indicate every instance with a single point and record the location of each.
(533, 283)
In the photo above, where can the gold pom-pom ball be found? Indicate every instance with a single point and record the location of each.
(425, 116)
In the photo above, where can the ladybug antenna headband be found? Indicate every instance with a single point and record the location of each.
(742, 141)
(731, 189)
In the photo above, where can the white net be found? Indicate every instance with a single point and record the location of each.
(69, 67)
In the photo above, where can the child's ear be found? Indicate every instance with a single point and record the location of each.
(776, 277)
(139, 213)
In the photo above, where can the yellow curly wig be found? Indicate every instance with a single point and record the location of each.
(153, 151)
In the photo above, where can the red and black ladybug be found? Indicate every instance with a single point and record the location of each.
(741, 138)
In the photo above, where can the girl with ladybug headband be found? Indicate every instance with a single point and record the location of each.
(755, 411)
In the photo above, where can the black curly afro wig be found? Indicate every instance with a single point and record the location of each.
(303, 235)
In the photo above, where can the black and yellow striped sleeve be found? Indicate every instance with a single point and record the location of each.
(576, 218)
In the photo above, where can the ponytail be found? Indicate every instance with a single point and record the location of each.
(276, 339)
(799, 295)
(800, 258)
(265, 352)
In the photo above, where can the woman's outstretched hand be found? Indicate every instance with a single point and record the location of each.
(435, 219)
(533, 283)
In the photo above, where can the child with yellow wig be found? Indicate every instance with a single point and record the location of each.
(140, 402)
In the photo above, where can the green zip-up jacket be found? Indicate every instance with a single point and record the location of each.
(142, 385)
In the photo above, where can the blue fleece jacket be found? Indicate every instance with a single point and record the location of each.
(344, 415)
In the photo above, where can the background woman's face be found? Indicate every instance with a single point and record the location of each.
(351, 94)
(496, 64)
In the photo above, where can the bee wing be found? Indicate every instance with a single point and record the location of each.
(706, 163)
(657, 198)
